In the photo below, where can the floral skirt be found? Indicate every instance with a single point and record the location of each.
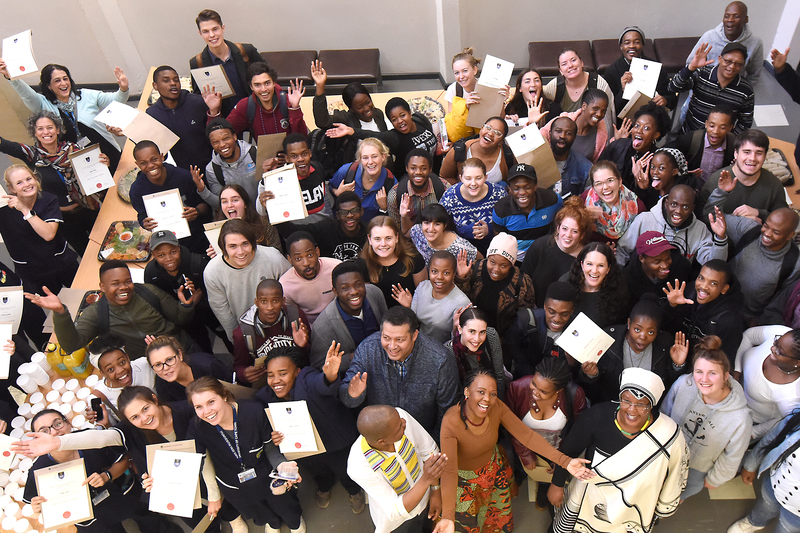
(483, 497)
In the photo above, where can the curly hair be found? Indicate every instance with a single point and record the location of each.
(576, 210)
(613, 290)
(30, 124)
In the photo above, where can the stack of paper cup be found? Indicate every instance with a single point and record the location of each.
(36, 409)
(9, 523)
(83, 393)
(4, 500)
(28, 425)
(9, 490)
(22, 526)
(79, 407)
(27, 383)
(68, 397)
(53, 406)
(17, 476)
(36, 372)
(19, 494)
(17, 434)
(65, 409)
(15, 461)
(17, 422)
(91, 381)
(58, 385)
(25, 410)
(78, 421)
(36, 397)
(25, 464)
(41, 359)
(4, 478)
(72, 384)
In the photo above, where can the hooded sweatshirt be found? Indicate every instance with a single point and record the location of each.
(692, 238)
(241, 172)
(721, 317)
(755, 50)
(717, 435)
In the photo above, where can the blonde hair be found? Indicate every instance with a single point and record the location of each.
(466, 55)
(13, 168)
(375, 143)
(473, 162)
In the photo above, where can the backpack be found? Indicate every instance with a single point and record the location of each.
(789, 260)
(332, 154)
(199, 57)
(460, 151)
(350, 177)
(402, 188)
(283, 107)
(561, 87)
(103, 310)
(218, 169)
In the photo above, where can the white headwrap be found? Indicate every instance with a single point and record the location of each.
(642, 383)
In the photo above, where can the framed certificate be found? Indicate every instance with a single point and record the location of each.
(288, 203)
(294, 421)
(176, 488)
(584, 340)
(18, 55)
(93, 176)
(68, 499)
(215, 77)
(166, 208)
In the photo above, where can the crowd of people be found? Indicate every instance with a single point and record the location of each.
(419, 306)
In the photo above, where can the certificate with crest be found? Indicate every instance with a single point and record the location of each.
(68, 499)
(215, 77)
(288, 203)
(584, 340)
(93, 175)
(175, 476)
(18, 55)
(166, 208)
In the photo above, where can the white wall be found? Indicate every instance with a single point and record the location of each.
(92, 36)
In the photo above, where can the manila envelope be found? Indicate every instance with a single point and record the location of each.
(268, 146)
(637, 100)
(491, 105)
(240, 392)
(177, 446)
(212, 230)
(144, 127)
(291, 456)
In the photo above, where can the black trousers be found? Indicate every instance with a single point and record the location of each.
(327, 468)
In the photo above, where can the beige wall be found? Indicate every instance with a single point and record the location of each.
(92, 36)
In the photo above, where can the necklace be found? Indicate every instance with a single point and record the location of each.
(475, 425)
(616, 422)
(795, 371)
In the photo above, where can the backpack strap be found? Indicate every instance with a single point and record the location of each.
(251, 109)
(242, 52)
(283, 107)
(561, 88)
(218, 173)
(697, 143)
(749, 237)
(253, 152)
(350, 177)
(402, 188)
(103, 309)
(787, 266)
(199, 60)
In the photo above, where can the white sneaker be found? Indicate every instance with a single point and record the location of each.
(268, 529)
(239, 525)
(743, 526)
(301, 528)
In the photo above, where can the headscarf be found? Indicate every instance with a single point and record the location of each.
(642, 384)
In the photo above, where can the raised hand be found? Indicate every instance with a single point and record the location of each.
(726, 181)
(463, 264)
(641, 170)
(344, 187)
(380, 198)
(625, 131)
(122, 79)
(340, 130)
(700, 58)
(296, 92)
(717, 222)
(675, 294)
(318, 74)
(197, 178)
(333, 360)
(212, 98)
(405, 205)
(535, 111)
(148, 339)
(357, 385)
(300, 333)
(38, 444)
(680, 350)
(48, 301)
(778, 60)
(402, 295)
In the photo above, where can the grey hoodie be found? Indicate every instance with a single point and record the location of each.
(717, 435)
(693, 240)
(242, 172)
(755, 50)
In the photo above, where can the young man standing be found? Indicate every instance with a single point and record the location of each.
(418, 188)
(709, 149)
(308, 283)
(234, 57)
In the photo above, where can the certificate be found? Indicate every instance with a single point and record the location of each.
(645, 78)
(212, 234)
(144, 127)
(294, 421)
(496, 72)
(491, 105)
(637, 100)
(288, 203)
(215, 77)
(93, 176)
(175, 478)
(294, 455)
(3, 201)
(529, 146)
(18, 55)
(525, 140)
(5, 358)
(187, 446)
(68, 499)
(6, 455)
(117, 115)
(11, 301)
(166, 208)
(584, 340)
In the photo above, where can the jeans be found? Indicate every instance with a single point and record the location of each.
(767, 508)
(694, 484)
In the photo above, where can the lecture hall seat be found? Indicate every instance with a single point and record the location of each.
(359, 65)
(543, 55)
(291, 64)
(673, 51)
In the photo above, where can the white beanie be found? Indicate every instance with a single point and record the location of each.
(504, 245)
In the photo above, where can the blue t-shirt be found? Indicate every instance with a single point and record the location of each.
(368, 202)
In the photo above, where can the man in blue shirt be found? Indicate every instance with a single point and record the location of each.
(573, 166)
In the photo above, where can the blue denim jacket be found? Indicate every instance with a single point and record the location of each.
(755, 458)
(575, 174)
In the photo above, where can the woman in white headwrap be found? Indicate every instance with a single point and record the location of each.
(630, 447)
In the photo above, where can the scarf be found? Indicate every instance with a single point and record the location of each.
(60, 163)
(614, 220)
(69, 106)
(389, 466)
(461, 352)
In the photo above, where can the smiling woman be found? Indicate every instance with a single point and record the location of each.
(175, 370)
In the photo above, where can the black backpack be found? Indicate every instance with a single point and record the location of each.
(218, 169)
(402, 188)
(332, 154)
(460, 151)
(103, 310)
(789, 260)
(283, 107)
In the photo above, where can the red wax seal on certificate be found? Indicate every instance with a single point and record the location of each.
(67, 514)
(22, 69)
(99, 185)
(171, 506)
(6, 453)
(298, 445)
(286, 214)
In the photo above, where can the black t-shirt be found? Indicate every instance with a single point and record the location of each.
(331, 239)
(545, 263)
(313, 188)
(202, 364)
(422, 138)
(490, 294)
(393, 275)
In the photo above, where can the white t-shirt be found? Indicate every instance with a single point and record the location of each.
(142, 375)
(450, 93)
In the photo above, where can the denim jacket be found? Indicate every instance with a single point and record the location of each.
(755, 458)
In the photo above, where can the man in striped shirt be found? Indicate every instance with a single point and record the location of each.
(713, 85)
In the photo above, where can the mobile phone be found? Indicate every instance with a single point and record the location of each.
(96, 407)
(185, 282)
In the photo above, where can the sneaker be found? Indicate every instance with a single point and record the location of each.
(358, 502)
(301, 528)
(743, 526)
(239, 525)
(323, 499)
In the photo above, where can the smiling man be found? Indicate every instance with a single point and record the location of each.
(527, 212)
(128, 310)
(401, 367)
(419, 187)
(574, 168)
(656, 262)
(107, 353)
(308, 283)
(709, 149)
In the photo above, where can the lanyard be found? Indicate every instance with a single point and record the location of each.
(235, 450)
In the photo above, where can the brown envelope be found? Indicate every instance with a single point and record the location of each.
(491, 105)
(637, 100)
(268, 146)
(545, 164)
(291, 456)
(177, 446)
(144, 127)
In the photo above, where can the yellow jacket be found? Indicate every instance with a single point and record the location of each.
(456, 121)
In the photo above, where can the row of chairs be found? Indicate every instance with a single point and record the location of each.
(598, 55)
(343, 66)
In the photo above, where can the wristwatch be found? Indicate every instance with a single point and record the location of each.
(30, 214)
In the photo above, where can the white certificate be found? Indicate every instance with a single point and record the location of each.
(496, 72)
(166, 208)
(11, 301)
(3, 201)
(645, 78)
(294, 421)
(18, 55)
(6, 455)
(214, 76)
(584, 340)
(93, 176)
(212, 234)
(288, 203)
(175, 476)
(117, 115)
(5, 358)
(68, 499)
(525, 140)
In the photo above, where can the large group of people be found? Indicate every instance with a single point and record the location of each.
(419, 306)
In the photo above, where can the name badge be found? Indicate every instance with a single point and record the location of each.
(247, 475)
(100, 497)
(83, 142)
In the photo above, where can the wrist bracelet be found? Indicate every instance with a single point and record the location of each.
(436, 487)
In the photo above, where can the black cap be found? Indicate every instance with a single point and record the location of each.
(219, 123)
(523, 170)
(731, 47)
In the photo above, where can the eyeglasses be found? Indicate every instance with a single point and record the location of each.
(488, 129)
(344, 212)
(58, 424)
(598, 185)
(640, 407)
(169, 361)
(729, 63)
(777, 349)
